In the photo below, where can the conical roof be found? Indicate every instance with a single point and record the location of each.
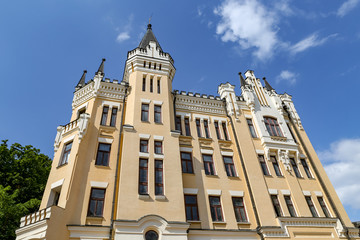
(101, 67)
(149, 36)
(267, 85)
(242, 80)
(81, 82)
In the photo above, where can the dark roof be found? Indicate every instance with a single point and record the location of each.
(101, 67)
(242, 80)
(81, 82)
(149, 36)
(267, 85)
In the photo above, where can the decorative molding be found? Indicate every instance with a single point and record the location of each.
(159, 138)
(145, 101)
(273, 191)
(68, 139)
(57, 183)
(318, 193)
(89, 232)
(306, 193)
(213, 192)
(144, 136)
(190, 191)
(185, 149)
(110, 104)
(158, 102)
(224, 153)
(105, 140)
(158, 156)
(142, 154)
(236, 193)
(197, 104)
(285, 192)
(206, 151)
(99, 184)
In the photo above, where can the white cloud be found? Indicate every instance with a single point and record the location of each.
(126, 29)
(346, 7)
(341, 162)
(122, 36)
(311, 41)
(287, 76)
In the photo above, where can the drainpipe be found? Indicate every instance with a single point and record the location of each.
(174, 101)
(258, 228)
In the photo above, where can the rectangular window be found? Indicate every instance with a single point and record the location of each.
(198, 127)
(272, 126)
(178, 124)
(191, 208)
(145, 112)
(215, 209)
(295, 167)
(103, 154)
(290, 206)
(208, 164)
(187, 127)
(154, 65)
(251, 128)
(144, 145)
(186, 162)
(263, 165)
(158, 82)
(66, 154)
(158, 147)
(239, 209)
(323, 207)
(229, 166)
(226, 137)
(96, 204)
(157, 113)
(149, 64)
(160, 67)
(159, 179)
(104, 115)
(206, 128)
(217, 130)
(151, 85)
(113, 117)
(306, 168)
(143, 176)
(311, 206)
(56, 198)
(81, 111)
(276, 205)
(144, 83)
(144, 63)
(276, 165)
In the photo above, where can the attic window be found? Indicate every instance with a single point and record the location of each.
(160, 67)
(144, 63)
(149, 64)
(154, 65)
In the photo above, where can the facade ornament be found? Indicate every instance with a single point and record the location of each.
(284, 158)
(58, 137)
(83, 123)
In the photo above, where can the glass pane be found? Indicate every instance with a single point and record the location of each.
(214, 201)
(158, 190)
(183, 163)
(228, 160)
(159, 177)
(207, 158)
(189, 167)
(158, 164)
(104, 147)
(243, 214)
(142, 189)
(143, 175)
(188, 213)
(194, 213)
(99, 208)
(92, 208)
(219, 215)
(143, 163)
(186, 156)
(68, 146)
(151, 235)
(98, 193)
(190, 199)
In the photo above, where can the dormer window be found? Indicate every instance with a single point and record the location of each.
(273, 127)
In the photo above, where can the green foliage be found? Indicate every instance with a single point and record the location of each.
(23, 175)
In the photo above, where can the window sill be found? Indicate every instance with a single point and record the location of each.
(160, 197)
(95, 217)
(224, 141)
(212, 176)
(159, 123)
(269, 176)
(219, 223)
(62, 165)
(145, 121)
(234, 177)
(144, 196)
(158, 156)
(188, 173)
(187, 137)
(281, 176)
(193, 221)
(102, 166)
(243, 223)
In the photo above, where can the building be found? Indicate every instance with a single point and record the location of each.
(140, 161)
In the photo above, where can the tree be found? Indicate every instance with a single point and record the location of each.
(23, 175)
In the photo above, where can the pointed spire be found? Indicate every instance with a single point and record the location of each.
(242, 81)
(149, 36)
(101, 67)
(81, 82)
(267, 85)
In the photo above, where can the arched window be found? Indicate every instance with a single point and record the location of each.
(272, 126)
(151, 235)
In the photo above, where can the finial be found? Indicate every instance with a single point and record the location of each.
(267, 85)
(81, 82)
(242, 80)
(149, 25)
(101, 67)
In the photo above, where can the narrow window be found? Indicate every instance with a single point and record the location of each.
(144, 84)
(229, 166)
(215, 209)
(145, 112)
(272, 126)
(151, 84)
(113, 117)
(226, 137)
(206, 128)
(263, 165)
(178, 124)
(144, 63)
(144, 145)
(306, 168)
(157, 113)
(276, 205)
(186, 162)
(160, 67)
(323, 207)
(251, 128)
(217, 130)
(159, 180)
(158, 147)
(291, 132)
(158, 85)
(96, 203)
(81, 111)
(191, 208)
(198, 127)
(208, 165)
(276, 165)
(56, 198)
(295, 167)
(149, 64)
(103, 154)
(143, 176)
(311, 206)
(290, 206)
(154, 65)
(66, 154)
(187, 126)
(104, 115)
(239, 209)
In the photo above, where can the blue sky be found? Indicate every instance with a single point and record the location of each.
(309, 49)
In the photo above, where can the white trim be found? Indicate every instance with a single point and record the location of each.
(214, 192)
(302, 156)
(110, 104)
(237, 193)
(306, 193)
(260, 152)
(158, 156)
(57, 183)
(318, 193)
(99, 184)
(105, 140)
(144, 136)
(273, 191)
(158, 102)
(183, 115)
(247, 116)
(201, 117)
(219, 119)
(190, 190)
(160, 197)
(186, 149)
(206, 151)
(285, 192)
(142, 154)
(143, 196)
(159, 138)
(68, 139)
(229, 154)
(82, 106)
(145, 101)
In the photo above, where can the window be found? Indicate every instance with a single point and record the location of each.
(144, 83)
(239, 209)
(159, 181)
(295, 167)
(186, 162)
(208, 165)
(311, 206)
(276, 165)
(144, 145)
(103, 154)
(226, 137)
(113, 117)
(290, 206)
(291, 132)
(145, 112)
(96, 204)
(157, 113)
(229, 166)
(191, 208)
(215, 209)
(160, 67)
(306, 168)
(151, 235)
(66, 154)
(276, 205)
(154, 65)
(272, 126)
(149, 64)
(178, 124)
(158, 147)
(151, 84)
(187, 127)
(206, 127)
(144, 63)
(198, 127)
(158, 82)
(263, 165)
(104, 115)
(251, 128)
(323, 207)
(143, 176)
(56, 198)
(217, 130)
(81, 111)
